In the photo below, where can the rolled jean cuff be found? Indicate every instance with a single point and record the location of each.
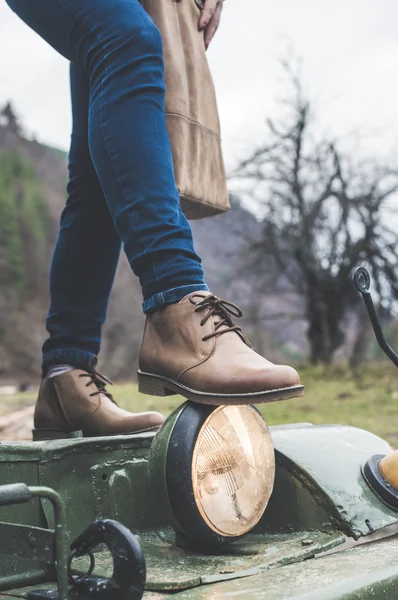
(171, 296)
(80, 359)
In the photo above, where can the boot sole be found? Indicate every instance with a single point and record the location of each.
(43, 435)
(156, 385)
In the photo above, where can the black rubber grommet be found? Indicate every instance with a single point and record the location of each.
(377, 483)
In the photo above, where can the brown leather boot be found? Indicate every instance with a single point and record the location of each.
(77, 403)
(194, 348)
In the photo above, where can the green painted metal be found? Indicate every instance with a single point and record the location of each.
(23, 592)
(364, 572)
(95, 478)
(102, 477)
(241, 559)
(24, 540)
(361, 573)
(33, 543)
(319, 483)
(317, 496)
(18, 464)
(30, 576)
(62, 543)
(170, 568)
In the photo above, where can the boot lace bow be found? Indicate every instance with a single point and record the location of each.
(100, 381)
(216, 307)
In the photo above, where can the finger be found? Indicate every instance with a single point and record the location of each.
(207, 13)
(213, 25)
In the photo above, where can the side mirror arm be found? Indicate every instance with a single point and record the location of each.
(362, 283)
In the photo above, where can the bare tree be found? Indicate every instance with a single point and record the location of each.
(323, 214)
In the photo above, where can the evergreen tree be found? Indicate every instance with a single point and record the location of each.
(10, 119)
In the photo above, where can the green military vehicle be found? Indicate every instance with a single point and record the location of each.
(214, 506)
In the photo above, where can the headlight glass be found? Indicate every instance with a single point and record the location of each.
(233, 469)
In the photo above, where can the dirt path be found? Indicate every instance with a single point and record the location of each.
(17, 425)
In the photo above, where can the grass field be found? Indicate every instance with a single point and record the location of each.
(368, 400)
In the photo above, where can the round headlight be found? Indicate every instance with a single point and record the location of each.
(215, 467)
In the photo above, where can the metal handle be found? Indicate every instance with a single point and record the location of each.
(17, 493)
(14, 493)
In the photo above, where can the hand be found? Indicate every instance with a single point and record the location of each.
(210, 19)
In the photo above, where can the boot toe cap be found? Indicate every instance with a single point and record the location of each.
(271, 378)
(139, 422)
(155, 419)
(288, 377)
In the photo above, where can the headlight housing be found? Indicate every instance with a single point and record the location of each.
(215, 469)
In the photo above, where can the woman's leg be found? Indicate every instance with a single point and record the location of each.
(192, 346)
(82, 273)
(86, 253)
(120, 48)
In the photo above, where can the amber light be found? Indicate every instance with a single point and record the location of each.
(233, 469)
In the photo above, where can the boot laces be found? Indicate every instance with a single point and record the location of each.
(100, 381)
(216, 307)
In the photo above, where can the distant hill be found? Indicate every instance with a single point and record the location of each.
(32, 194)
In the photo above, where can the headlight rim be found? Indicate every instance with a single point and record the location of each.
(179, 479)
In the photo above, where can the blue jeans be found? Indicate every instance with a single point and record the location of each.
(121, 180)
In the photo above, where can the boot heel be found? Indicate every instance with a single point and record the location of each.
(152, 386)
(41, 435)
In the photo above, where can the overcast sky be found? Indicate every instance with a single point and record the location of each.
(349, 50)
